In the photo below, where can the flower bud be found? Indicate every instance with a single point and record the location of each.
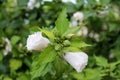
(66, 43)
(37, 42)
(78, 60)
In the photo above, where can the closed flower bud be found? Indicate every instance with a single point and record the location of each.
(78, 60)
(37, 42)
(66, 43)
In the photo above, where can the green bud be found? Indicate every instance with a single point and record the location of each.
(57, 47)
(66, 43)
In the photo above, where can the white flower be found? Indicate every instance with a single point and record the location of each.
(78, 60)
(8, 47)
(83, 31)
(78, 16)
(72, 1)
(36, 41)
(96, 36)
(73, 23)
(47, 0)
(33, 3)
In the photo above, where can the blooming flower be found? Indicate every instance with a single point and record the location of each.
(33, 3)
(36, 41)
(83, 31)
(78, 16)
(78, 60)
(8, 47)
(72, 1)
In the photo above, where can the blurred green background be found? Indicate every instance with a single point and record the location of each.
(100, 28)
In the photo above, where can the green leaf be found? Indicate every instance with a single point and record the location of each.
(15, 64)
(78, 43)
(15, 39)
(41, 61)
(7, 78)
(22, 2)
(88, 74)
(23, 77)
(101, 61)
(62, 22)
(59, 66)
(71, 49)
(34, 29)
(72, 30)
(1, 56)
(48, 33)
(116, 53)
(113, 65)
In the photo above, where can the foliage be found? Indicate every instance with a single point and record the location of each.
(100, 17)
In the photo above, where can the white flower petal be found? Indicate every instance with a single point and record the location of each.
(78, 16)
(36, 41)
(78, 60)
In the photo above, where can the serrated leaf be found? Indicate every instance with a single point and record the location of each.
(101, 61)
(62, 22)
(72, 30)
(78, 43)
(48, 33)
(41, 61)
(113, 65)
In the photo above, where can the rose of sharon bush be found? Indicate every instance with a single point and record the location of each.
(78, 60)
(36, 41)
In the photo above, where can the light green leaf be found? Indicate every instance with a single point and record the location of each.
(15, 39)
(23, 77)
(41, 61)
(72, 30)
(62, 22)
(48, 33)
(15, 64)
(113, 65)
(88, 74)
(101, 61)
(7, 78)
(71, 49)
(76, 42)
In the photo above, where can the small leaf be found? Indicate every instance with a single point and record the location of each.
(34, 29)
(15, 39)
(62, 22)
(71, 49)
(48, 33)
(41, 61)
(76, 42)
(72, 30)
